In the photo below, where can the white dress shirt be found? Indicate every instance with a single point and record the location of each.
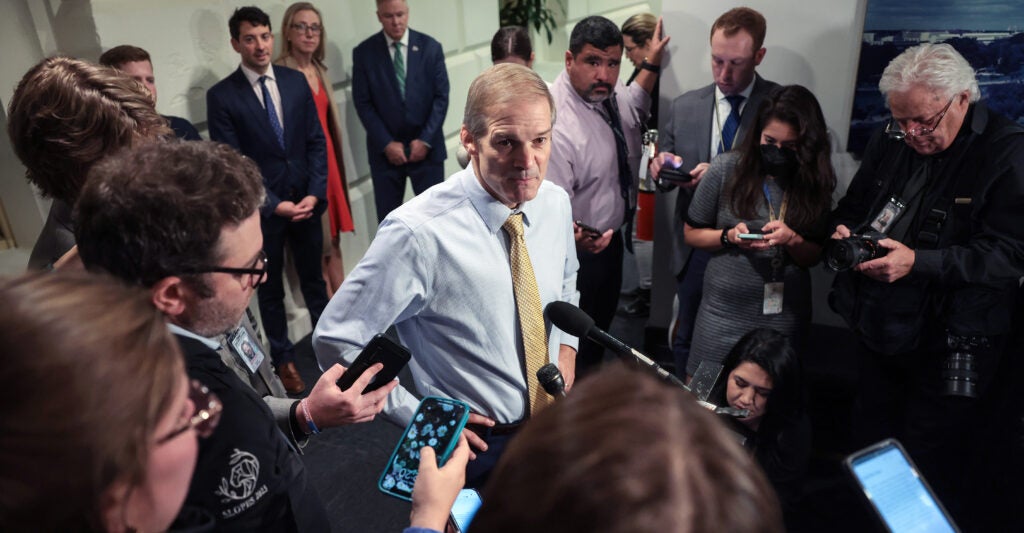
(275, 94)
(439, 270)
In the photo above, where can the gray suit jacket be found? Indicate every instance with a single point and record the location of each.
(688, 135)
(266, 383)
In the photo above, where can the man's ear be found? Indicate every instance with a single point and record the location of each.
(169, 296)
(236, 45)
(759, 56)
(568, 58)
(469, 142)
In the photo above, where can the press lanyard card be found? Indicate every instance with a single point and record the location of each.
(772, 298)
(247, 349)
(890, 212)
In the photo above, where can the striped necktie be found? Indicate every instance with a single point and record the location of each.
(531, 314)
(400, 68)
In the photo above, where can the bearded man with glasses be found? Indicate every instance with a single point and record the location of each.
(182, 220)
(942, 191)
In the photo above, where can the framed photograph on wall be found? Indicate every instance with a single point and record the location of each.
(988, 33)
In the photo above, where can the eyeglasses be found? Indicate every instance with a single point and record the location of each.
(256, 273)
(894, 131)
(303, 28)
(205, 417)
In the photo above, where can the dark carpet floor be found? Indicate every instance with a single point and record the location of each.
(344, 463)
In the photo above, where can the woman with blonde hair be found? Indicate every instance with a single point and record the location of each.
(303, 37)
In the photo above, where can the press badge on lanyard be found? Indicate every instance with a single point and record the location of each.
(773, 290)
(247, 349)
(890, 212)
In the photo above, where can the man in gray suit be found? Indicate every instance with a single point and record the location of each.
(704, 123)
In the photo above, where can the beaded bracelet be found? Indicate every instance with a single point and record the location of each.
(309, 419)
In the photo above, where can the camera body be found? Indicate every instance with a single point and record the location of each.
(844, 254)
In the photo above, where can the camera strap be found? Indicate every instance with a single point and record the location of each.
(963, 189)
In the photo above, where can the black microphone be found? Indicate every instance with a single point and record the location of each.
(574, 321)
(551, 379)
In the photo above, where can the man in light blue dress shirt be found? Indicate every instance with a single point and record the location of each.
(439, 269)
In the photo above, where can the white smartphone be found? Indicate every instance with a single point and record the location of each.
(899, 494)
(464, 509)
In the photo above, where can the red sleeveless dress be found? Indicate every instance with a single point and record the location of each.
(337, 205)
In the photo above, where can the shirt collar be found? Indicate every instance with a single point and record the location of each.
(720, 96)
(404, 40)
(178, 330)
(493, 212)
(598, 106)
(254, 77)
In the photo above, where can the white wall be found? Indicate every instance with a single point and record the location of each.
(815, 44)
(189, 43)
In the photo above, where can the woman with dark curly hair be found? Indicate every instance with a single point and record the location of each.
(761, 211)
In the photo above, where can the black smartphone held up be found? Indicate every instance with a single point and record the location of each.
(898, 493)
(675, 175)
(380, 349)
(467, 503)
(589, 230)
(437, 423)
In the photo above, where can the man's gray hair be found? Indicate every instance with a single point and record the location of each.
(501, 85)
(938, 67)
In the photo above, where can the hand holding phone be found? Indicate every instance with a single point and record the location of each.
(437, 491)
(437, 423)
(589, 231)
(751, 235)
(668, 173)
(380, 349)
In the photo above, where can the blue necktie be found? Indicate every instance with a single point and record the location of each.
(732, 124)
(268, 103)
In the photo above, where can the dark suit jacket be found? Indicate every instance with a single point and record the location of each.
(688, 135)
(236, 117)
(379, 104)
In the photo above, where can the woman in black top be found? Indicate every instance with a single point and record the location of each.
(764, 376)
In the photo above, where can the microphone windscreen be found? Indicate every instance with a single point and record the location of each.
(551, 379)
(569, 318)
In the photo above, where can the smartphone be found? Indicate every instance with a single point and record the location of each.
(464, 509)
(589, 230)
(674, 174)
(753, 235)
(380, 349)
(896, 490)
(437, 423)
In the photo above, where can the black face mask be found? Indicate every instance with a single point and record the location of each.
(780, 163)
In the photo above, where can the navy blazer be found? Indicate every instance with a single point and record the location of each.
(237, 118)
(383, 112)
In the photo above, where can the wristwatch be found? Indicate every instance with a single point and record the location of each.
(647, 66)
(726, 243)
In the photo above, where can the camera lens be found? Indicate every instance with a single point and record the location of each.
(960, 374)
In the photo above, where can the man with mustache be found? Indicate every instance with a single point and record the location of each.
(449, 270)
(596, 158)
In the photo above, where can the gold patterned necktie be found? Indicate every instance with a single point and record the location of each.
(531, 314)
